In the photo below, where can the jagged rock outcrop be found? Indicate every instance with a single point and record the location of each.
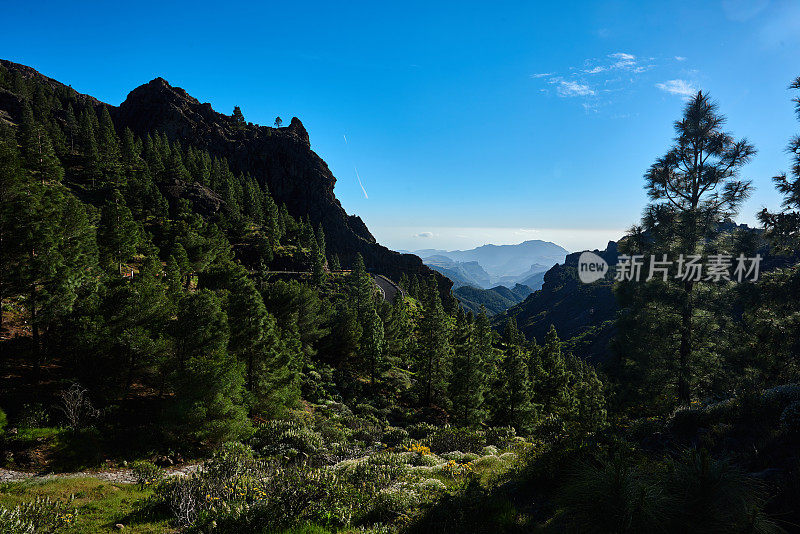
(281, 158)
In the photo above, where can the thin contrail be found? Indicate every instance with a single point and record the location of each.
(359, 183)
(357, 176)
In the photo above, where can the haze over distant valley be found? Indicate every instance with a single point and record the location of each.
(492, 265)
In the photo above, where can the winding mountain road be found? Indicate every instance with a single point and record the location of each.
(389, 289)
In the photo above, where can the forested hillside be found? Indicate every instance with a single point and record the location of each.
(181, 285)
(160, 298)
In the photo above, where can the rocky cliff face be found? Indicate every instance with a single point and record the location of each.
(279, 157)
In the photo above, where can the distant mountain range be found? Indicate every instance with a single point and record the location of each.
(492, 265)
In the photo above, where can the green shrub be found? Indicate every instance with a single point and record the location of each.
(40, 515)
(367, 428)
(790, 418)
(500, 436)
(33, 416)
(455, 439)
(286, 438)
(711, 495)
(685, 421)
(421, 430)
(3, 421)
(695, 493)
(394, 436)
(782, 395)
(487, 462)
(183, 496)
(460, 457)
(611, 497)
(147, 473)
(396, 500)
(11, 522)
(723, 411)
(230, 462)
(426, 460)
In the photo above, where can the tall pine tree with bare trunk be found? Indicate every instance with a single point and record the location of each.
(692, 188)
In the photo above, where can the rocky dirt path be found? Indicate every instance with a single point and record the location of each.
(122, 476)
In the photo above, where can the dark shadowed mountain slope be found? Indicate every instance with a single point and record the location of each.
(582, 313)
(534, 281)
(281, 158)
(495, 300)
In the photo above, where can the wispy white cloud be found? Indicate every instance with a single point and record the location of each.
(623, 60)
(424, 235)
(568, 88)
(615, 61)
(677, 87)
(602, 81)
(596, 70)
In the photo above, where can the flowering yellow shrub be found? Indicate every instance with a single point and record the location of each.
(421, 449)
(454, 469)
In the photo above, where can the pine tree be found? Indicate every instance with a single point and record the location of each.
(692, 188)
(414, 288)
(173, 277)
(404, 282)
(317, 264)
(277, 366)
(109, 148)
(209, 403)
(174, 169)
(783, 227)
(136, 314)
(552, 379)
(88, 147)
(514, 388)
(12, 199)
(40, 157)
(398, 333)
(60, 253)
(361, 289)
(119, 234)
(246, 316)
(433, 351)
(320, 236)
(271, 219)
(346, 338)
(372, 344)
(253, 201)
(468, 383)
(238, 118)
(71, 129)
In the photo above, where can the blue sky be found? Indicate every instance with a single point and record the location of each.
(467, 122)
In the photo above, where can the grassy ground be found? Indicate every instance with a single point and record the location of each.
(101, 505)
